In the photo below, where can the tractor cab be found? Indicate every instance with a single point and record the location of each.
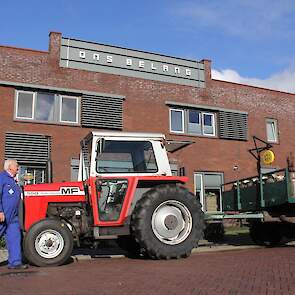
(116, 154)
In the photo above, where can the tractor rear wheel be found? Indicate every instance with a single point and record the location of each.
(167, 222)
(48, 243)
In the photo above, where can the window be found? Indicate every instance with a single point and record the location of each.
(272, 130)
(191, 121)
(177, 121)
(24, 105)
(69, 109)
(208, 124)
(33, 153)
(47, 107)
(31, 175)
(194, 122)
(209, 121)
(44, 110)
(126, 157)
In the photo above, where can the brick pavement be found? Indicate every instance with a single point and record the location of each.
(114, 251)
(263, 271)
(229, 244)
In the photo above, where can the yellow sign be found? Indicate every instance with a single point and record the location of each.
(267, 157)
(28, 176)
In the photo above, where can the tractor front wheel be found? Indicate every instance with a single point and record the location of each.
(167, 222)
(48, 243)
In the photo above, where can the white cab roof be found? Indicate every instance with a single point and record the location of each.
(139, 135)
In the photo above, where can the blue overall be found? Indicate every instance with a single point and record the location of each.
(10, 194)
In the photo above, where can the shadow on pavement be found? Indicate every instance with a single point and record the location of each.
(240, 239)
(100, 250)
(244, 239)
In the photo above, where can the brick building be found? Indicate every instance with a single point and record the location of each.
(51, 100)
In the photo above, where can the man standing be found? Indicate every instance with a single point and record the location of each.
(10, 195)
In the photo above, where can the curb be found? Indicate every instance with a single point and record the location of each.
(223, 248)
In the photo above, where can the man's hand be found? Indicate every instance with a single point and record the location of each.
(2, 217)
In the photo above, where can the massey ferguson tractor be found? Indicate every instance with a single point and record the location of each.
(126, 191)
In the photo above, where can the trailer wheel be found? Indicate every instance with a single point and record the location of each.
(214, 232)
(265, 234)
(167, 222)
(48, 243)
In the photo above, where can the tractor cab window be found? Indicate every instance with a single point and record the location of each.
(115, 156)
(112, 194)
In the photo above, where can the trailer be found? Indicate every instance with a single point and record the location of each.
(265, 201)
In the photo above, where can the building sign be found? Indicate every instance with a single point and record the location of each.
(89, 56)
(267, 157)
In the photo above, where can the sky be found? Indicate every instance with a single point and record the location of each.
(248, 41)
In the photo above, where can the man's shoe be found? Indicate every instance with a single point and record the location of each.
(19, 266)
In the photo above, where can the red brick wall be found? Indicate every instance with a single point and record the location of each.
(145, 110)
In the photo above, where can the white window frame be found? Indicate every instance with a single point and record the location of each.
(274, 123)
(61, 97)
(213, 124)
(185, 122)
(201, 175)
(58, 120)
(33, 105)
(182, 121)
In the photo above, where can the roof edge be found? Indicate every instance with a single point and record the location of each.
(252, 86)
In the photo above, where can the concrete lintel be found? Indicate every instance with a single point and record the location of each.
(59, 89)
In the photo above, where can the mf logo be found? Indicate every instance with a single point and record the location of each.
(69, 190)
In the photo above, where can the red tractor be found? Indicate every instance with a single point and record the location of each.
(126, 191)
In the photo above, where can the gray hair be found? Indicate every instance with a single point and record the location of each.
(8, 162)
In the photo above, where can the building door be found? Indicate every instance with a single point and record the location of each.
(208, 190)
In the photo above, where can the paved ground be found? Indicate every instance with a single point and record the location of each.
(230, 243)
(267, 271)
